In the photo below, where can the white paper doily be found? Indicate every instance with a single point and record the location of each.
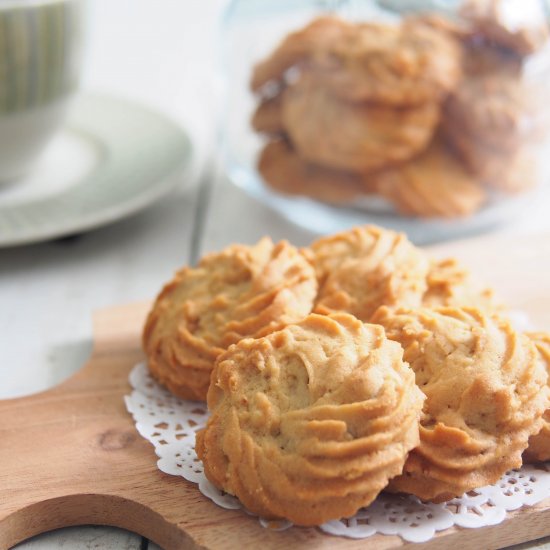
(170, 424)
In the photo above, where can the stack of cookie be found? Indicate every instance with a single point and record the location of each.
(427, 113)
(495, 118)
(354, 366)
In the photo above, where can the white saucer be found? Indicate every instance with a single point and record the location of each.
(111, 159)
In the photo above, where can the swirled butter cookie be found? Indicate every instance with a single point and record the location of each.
(309, 423)
(357, 137)
(450, 284)
(433, 184)
(485, 393)
(284, 171)
(411, 63)
(238, 292)
(366, 267)
(407, 64)
(297, 48)
(539, 444)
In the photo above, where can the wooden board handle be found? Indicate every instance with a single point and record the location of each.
(128, 322)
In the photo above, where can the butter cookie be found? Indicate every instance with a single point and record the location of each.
(493, 119)
(284, 171)
(411, 63)
(353, 136)
(309, 423)
(366, 267)
(297, 48)
(433, 184)
(450, 284)
(238, 292)
(407, 64)
(539, 444)
(485, 393)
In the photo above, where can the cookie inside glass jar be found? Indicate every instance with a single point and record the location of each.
(439, 114)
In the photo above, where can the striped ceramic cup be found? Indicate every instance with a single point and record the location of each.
(40, 60)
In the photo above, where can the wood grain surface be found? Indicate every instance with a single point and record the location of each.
(71, 455)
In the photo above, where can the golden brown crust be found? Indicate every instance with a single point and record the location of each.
(539, 444)
(408, 64)
(485, 394)
(353, 136)
(329, 252)
(433, 184)
(238, 292)
(450, 285)
(310, 422)
(284, 171)
(366, 267)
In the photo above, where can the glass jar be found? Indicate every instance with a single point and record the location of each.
(427, 116)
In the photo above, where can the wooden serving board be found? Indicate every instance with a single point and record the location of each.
(71, 455)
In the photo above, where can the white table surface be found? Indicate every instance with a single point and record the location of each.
(161, 53)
